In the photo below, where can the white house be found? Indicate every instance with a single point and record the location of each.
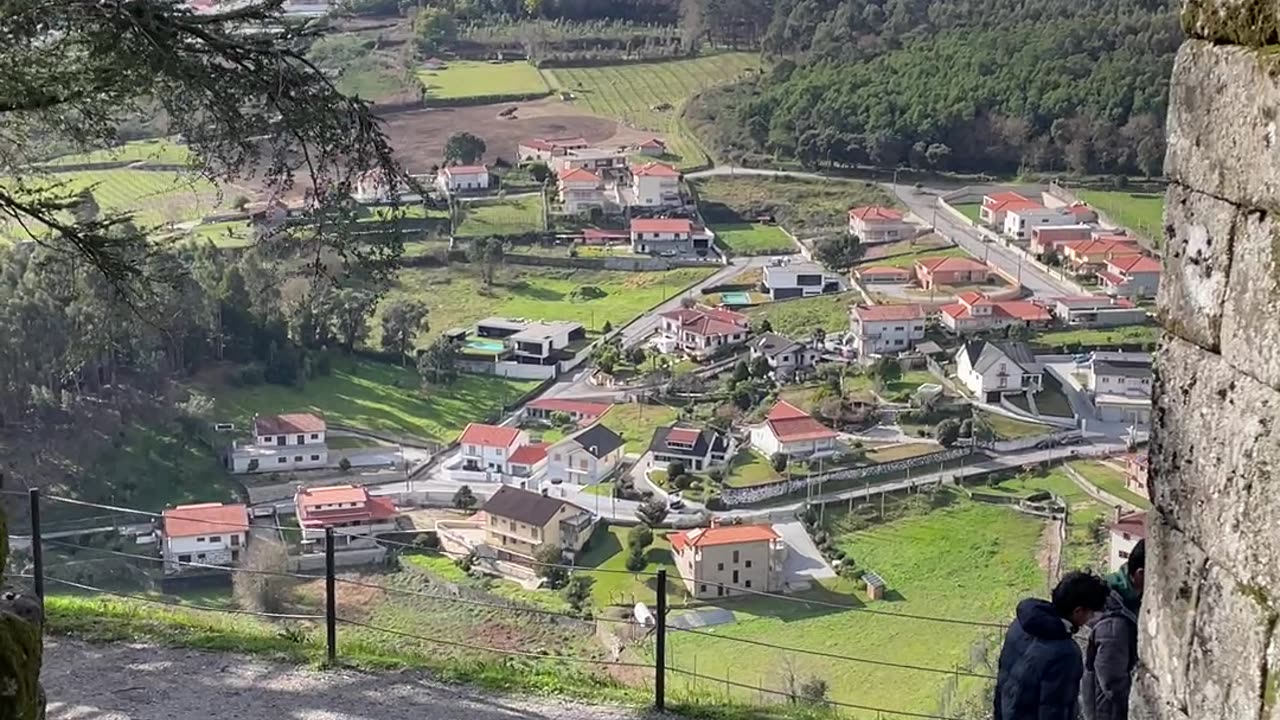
(605, 163)
(540, 343)
(878, 224)
(662, 236)
(543, 149)
(787, 357)
(1096, 311)
(463, 178)
(1020, 221)
(356, 516)
(1121, 386)
(996, 206)
(700, 332)
(489, 447)
(580, 191)
(1126, 531)
(655, 185)
(585, 457)
(1136, 276)
(793, 432)
(293, 441)
(992, 369)
(209, 533)
(699, 449)
(790, 279)
(884, 329)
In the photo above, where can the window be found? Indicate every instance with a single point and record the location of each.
(748, 564)
(235, 556)
(735, 577)
(720, 567)
(735, 557)
(702, 588)
(315, 436)
(281, 460)
(235, 541)
(748, 583)
(266, 439)
(297, 458)
(215, 538)
(187, 558)
(315, 458)
(302, 439)
(200, 557)
(556, 457)
(281, 440)
(719, 591)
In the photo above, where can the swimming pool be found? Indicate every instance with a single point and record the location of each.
(485, 345)
(735, 298)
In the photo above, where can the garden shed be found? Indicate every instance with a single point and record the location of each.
(875, 585)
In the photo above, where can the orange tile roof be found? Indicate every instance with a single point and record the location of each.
(707, 321)
(655, 169)
(488, 435)
(582, 407)
(1024, 310)
(465, 170)
(722, 535)
(873, 213)
(205, 519)
(308, 502)
(951, 264)
(1134, 523)
(662, 225)
(530, 454)
(1002, 197)
(288, 423)
(783, 410)
(797, 429)
(578, 175)
(1135, 264)
(888, 313)
(685, 436)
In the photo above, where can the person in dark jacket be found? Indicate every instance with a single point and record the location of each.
(1112, 651)
(1040, 666)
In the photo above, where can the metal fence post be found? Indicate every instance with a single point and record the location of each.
(37, 549)
(660, 663)
(330, 599)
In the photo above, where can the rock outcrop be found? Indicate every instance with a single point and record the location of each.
(21, 696)
(1209, 646)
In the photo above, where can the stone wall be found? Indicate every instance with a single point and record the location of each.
(21, 696)
(1209, 647)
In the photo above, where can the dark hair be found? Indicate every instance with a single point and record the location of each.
(1137, 558)
(1080, 590)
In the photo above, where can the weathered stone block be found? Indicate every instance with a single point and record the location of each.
(1251, 320)
(1199, 235)
(1232, 629)
(1148, 700)
(1177, 569)
(1244, 22)
(1223, 135)
(1215, 460)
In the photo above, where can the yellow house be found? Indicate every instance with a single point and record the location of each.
(518, 521)
(725, 560)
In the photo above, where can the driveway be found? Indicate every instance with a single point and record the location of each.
(805, 563)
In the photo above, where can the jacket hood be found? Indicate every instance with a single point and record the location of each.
(1039, 619)
(1121, 585)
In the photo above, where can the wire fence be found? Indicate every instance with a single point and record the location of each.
(417, 615)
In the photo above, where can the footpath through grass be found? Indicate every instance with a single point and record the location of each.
(473, 78)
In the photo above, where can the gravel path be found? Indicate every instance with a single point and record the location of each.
(137, 682)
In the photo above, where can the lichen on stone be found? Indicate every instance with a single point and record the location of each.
(21, 645)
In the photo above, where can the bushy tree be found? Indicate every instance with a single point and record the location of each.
(464, 498)
(760, 367)
(463, 148)
(947, 432)
(652, 512)
(675, 469)
(636, 356)
(433, 28)
(741, 371)
(488, 253)
(640, 535)
(259, 590)
(966, 428)
(402, 320)
(550, 566)
(578, 592)
(838, 252)
(438, 364)
(779, 461)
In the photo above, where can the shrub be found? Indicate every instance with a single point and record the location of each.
(344, 465)
(716, 504)
(716, 475)
(675, 469)
(636, 560)
(778, 461)
(640, 536)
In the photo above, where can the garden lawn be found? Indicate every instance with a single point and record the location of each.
(1110, 480)
(635, 422)
(515, 216)
(1099, 337)
(973, 211)
(797, 204)
(1086, 544)
(799, 318)
(456, 296)
(966, 561)
(909, 259)
(901, 451)
(378, 397)
(1142, 213)
(651, 96)
(754, 239)
(750, 468)
(467, 79)
(607, 550)
(1007, 428)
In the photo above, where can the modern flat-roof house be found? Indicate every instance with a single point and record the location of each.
(932, 272)
(489, 447)
(586, 457)
(886, 329)
(655, 184)
(877, 224)
(580, 191)
(793, 432)
(517, 522)
(1048, 238)
(206, 533)
(544, 343)
(662, 236)
(787, 357)
(1121, 387)
(1020, 221)
(543, 149)
(887, 274)
(1135, 276)
(991, 369)
(1126, 530)
(356, 516)
(578, 410)
(700, 331)
(698, 448)
(995, 206)
(975, 312)
(725, 560)
(790, 279)
(292, 441)
(1097, 311)
(462, 178)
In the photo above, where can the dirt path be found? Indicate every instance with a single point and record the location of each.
(135, 682)
(1050, 553)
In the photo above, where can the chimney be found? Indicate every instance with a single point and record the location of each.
(1116, 517)
(715, 522)
(544, 494)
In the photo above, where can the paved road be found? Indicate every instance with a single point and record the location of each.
(138, 682)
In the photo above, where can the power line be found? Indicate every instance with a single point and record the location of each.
(183, 563)
(498, 651)
(837, 703)
(834, 656)
(149, 513)
(184, 606)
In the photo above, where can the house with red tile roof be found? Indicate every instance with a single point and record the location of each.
(1131, 276)
(292, 441)
(1046, 240)
(1020, 221)
(579, 411)
(663, 236)
(700, 332)
(995, 206)
(878, 224)
(580, 190)
(876, 274)
(462, 178)
(655, 184)
(543, 149)
(489, 447)
(528, 460)
(932, 272)
(206, 533)
(793, 432)
(1086, 257)
(356, 516)
(886, 329)
(726, 560)
(652, 147)
(975, 312)
(1127, 529)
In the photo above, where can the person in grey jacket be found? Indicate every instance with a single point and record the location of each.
(1112, 651)
(1040, 667)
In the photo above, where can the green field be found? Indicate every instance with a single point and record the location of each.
(376, 396)
(909, 259)
(607, 549)
(966, 561)
(973, 211)
(796, 203)
(515, 216)
(635, 422)
(1086, 541)
(650, 96)
(799, 318)
(456, 295)
(754, 239)
(1110, 480)
(161, 151)
(749, 468)
(1007, 428)
(1099, 337)
(1142, 213)
(154, 197)
(901, 451)
(467, 78)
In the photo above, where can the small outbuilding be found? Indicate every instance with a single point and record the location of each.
(875, 585)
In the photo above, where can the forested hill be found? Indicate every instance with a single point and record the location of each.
(998, 86)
